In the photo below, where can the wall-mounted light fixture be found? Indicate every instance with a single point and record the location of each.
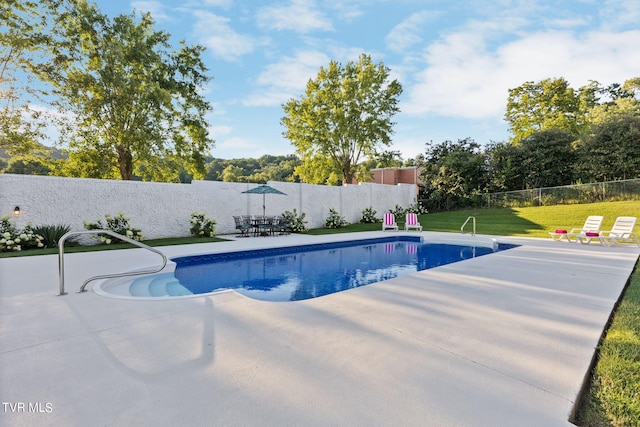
(16, 210)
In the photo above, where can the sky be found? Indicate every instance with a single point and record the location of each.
(455, 59)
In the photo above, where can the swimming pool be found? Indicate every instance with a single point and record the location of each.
(298, 272)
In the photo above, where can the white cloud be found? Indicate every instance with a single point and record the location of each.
(300, 16)
(236, 144)
(410, 146)
(155, 8)
(568, 23)
(199, 4)
(220, 130)
(618, 14)
(407, 33)
(287, 78)
(464, 79)
(346, 10)
(237, 147)
(219, 3)
(218, 37)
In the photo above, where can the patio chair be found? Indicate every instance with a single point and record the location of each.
(281, 225)
(412, 222)
(389, 221)
(242, 226)
(621, 232)
(591, 225)
(266, 226)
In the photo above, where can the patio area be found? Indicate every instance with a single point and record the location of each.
(499, 340)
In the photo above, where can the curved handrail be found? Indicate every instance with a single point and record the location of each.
(465, 223)
(104, 276)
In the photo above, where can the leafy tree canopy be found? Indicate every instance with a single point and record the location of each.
(317, 169)
(611, 151)
(28, 166)
(618, 100)
(20, 125)
(553, 104)
(548, 104)
(505, 166)
(260, 170)
(130, 100)
(547, 158)
(451, 172)
(344, 116)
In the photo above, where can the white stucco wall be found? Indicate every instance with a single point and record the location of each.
(164, 210)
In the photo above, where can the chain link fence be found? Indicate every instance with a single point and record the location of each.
(565, 195)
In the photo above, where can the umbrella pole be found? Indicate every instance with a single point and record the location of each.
(264, 211)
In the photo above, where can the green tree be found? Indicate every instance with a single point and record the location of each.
(505, 167)
(453, 174)
(92, 162)
(318, 170)
(28, 166)
(232, 174)
(547, 158)
(20, 125)
(263, 169)
(611, 151)
(344, 115)
(548, 104)
(214, 169)
(131, 99)
(619, 100)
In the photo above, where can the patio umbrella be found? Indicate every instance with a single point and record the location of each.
(264, 189)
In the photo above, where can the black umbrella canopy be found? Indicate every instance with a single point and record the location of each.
(264, 189)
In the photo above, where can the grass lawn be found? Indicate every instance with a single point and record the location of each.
(614, 396)
(525, 222)
(68, 249)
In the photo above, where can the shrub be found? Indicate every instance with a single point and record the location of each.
(118, 224)
(51, 234)
(398, 211)
(369, 216)
(334, 220)
(296, 222)
(417, 208)
(201, 226)
(13, 239)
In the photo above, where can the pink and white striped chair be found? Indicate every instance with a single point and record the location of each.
(412, 222)
(389, 221)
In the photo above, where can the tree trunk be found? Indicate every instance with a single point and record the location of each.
(347, 176)
(125, 163)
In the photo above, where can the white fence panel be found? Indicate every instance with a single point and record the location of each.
(164, 209)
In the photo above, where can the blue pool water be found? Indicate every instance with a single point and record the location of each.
(303, 272)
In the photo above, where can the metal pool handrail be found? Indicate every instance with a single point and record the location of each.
(465, 223)
(105, 276)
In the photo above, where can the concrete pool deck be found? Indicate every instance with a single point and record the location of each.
(499, 340)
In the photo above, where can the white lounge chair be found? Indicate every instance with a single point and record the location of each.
(389, 221)
(621, 232)
(412, 222)
(591, 225)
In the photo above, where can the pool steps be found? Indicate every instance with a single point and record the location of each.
(157, 286)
